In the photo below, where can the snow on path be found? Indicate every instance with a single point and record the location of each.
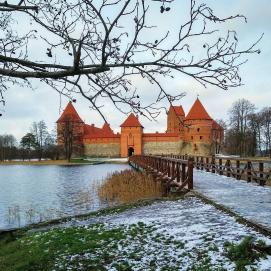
(251, 201)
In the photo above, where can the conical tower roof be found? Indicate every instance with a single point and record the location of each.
(198, 112)
(178, 109)
(70, 114)
(131, 121)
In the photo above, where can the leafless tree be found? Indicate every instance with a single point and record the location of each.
(239, 123)
(6, 7)
(265, 115)
(98, 48)
(255, 126)
(7, 147)
(40, 131)
(66, 133)
(218, 136)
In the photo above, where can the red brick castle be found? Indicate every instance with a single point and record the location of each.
(196, 133)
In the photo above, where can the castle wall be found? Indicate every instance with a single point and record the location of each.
(159, 147)
(102, 150)
(162, 144)
(102, 147)
(192, 148)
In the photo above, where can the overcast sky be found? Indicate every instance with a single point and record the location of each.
(23, 106)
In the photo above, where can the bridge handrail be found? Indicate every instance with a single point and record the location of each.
(238, 168)
(172, 171)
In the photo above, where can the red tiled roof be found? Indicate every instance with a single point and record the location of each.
(161, 135)
(70, 114)
(178, 109)
(198, 112)
(91, 131)
(131, 121)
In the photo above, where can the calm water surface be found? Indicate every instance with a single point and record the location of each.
(34, 193)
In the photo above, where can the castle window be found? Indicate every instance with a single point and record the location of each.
(200, 137)
(191, 137)
(198, 129)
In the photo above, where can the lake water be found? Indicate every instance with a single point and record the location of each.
(35, 193)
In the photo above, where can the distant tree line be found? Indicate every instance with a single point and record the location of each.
(37, 143)
(249, 131)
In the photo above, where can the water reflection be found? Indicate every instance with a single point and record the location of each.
(35, 193)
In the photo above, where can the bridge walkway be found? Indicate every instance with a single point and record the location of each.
(249, 200)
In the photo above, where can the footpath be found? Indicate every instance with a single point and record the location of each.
(249, 200)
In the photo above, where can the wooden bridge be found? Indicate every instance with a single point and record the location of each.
(174, 173)
(177, 170)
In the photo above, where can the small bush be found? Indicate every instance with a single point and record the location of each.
(129, 186)
(243, 253)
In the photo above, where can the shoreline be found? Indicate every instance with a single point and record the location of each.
(74, 162)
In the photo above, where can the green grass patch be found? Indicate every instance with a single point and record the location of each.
(95, 247)
(243, 254)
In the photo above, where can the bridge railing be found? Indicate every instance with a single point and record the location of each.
(171, 171)
(238, 168)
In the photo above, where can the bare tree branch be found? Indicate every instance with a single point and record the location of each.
(98, 49)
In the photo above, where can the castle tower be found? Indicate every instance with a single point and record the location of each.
(131, 136)
(70, 129)
(198, 129)
(175, 120)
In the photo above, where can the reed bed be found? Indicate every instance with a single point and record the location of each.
(128, 186)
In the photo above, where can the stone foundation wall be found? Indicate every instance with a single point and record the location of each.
(102, 150)
(154, 148)
(196, 148)
(174, 147)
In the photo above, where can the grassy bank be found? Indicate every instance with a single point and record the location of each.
(95, 247)
(47, 162)
(43, 162)
(75, 161)
(124, 247)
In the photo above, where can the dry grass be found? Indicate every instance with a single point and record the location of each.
(46, 162)
(43, 162)
(129, 186)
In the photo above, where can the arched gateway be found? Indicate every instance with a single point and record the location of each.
(131, 151)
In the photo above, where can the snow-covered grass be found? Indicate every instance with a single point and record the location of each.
(187, 234)
(107, 159)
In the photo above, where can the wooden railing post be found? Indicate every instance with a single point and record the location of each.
(190, 173)
(249, 171)
(228, 168)
(178, 177)
(207, 164)
(172, 176)
(262, 182)
(238, 175)
(213, 164)
(220, 167)
(183, 172)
